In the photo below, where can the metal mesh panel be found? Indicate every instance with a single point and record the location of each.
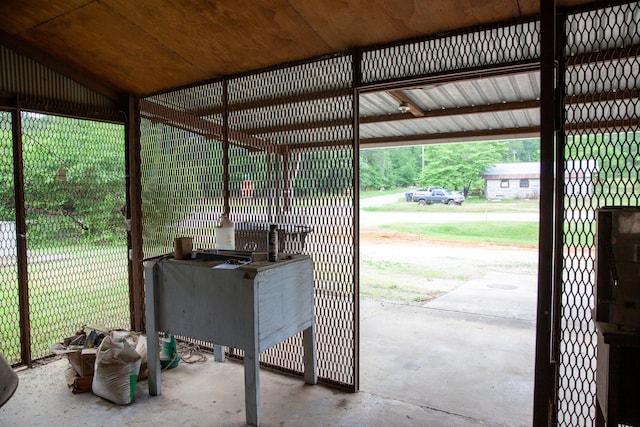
(9, 314)
(290, 163)
(181, 165)
(302, 177)
(602, 143)
(452, 53)
(45, 90)
(76, 237)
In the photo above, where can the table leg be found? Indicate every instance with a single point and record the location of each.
(252, 387)
(309, 355)
(599, 415)
(153, 350)
(218, 353)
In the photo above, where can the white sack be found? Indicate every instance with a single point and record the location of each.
(116, 369)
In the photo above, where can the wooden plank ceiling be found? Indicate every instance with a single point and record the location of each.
(145, 46)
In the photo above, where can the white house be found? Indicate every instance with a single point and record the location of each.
(522, 180)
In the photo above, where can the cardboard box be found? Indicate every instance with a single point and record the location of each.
(76, 383)
(182, 247)
(83, 361)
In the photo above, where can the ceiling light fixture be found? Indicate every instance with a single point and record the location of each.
(404, 107)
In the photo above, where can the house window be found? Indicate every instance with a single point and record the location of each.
(504, 183)
(524, 183)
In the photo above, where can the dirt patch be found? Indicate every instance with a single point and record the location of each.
(382, 236)
(401, 267)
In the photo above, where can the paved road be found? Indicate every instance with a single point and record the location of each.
(381, 200)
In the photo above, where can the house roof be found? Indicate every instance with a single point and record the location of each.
(531, 170)
(513, 170)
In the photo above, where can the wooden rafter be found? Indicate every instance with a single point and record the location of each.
(208, 129)
(404, 100)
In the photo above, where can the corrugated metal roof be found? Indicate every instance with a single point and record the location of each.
(513, 170)
(451, 110)
(43, 89)
(573, 168)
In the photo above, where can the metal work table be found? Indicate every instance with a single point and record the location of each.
(252, 307)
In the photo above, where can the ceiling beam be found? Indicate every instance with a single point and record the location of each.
(444, 77)
(590, 98)
(459, 111)
(8, 100)
(446, 112)
(462, 136)
(604, 55)
(404, 102)
(289, 100)
(210, 130)
(607, 126)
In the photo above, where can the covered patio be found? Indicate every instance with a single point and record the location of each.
(201, 99)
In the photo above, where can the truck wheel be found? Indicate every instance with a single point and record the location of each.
(451, 202)
(422, 202)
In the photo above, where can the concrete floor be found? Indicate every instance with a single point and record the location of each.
(420, 366)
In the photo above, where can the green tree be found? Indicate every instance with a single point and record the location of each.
(7, 199)
(458, 166)
(389, 167)
(74, 178)
(403, 166)
(523, 150)
(615, 161)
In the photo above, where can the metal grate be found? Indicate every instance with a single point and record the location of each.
(481, 48)
(9, 307)
(601, 169)
(77, 253)
(290, 162)
(181, 164)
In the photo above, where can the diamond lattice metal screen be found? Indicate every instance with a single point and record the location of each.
(290, 157)
(74, 182)
(601, 169)
(9, 307)
(181, 164)
(516, 43)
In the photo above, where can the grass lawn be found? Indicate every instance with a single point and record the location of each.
(512, 233)
(366, 194)
(471, 204)
(417, 284)
(68, 287)
(403, 282)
